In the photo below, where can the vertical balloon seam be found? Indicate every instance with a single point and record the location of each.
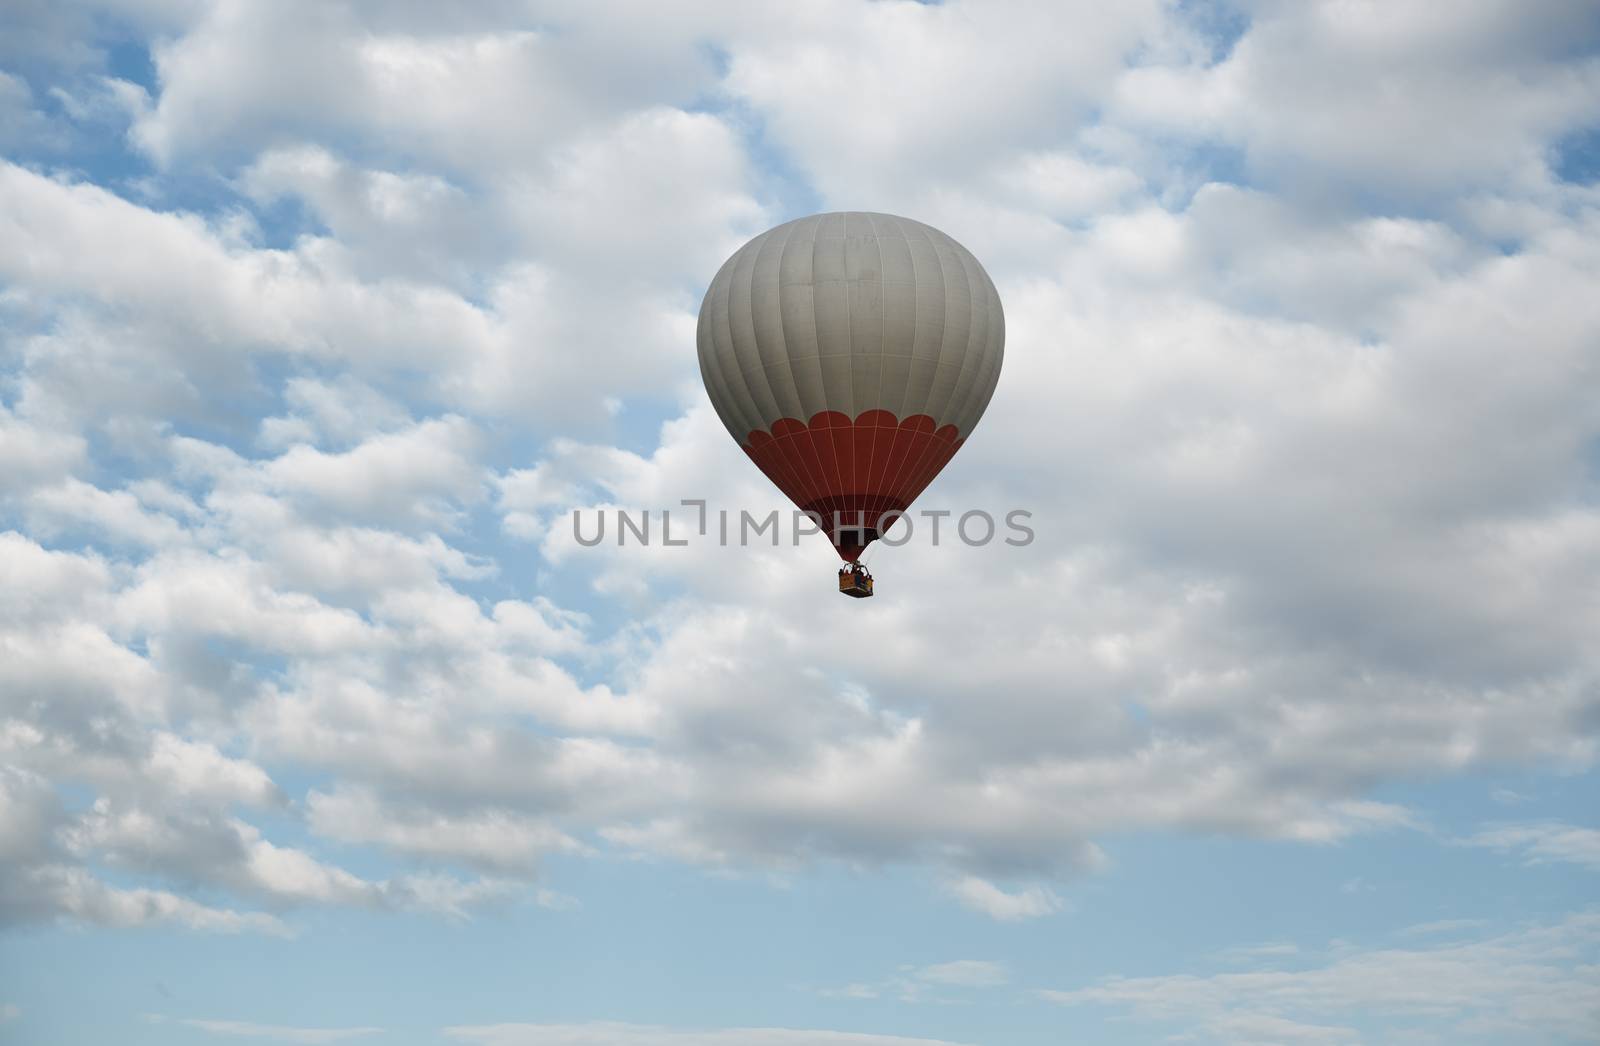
(883, 311)
(721, 328)
(761, 380)
(778, 450)
(926, 231)
(772, 352)
(984, 388)
(807, 471)
(851, 282)
(855, 415)
(931, 334)
(944, 329)
(708, 373)
(977, 339)
(911, 347)
(788, 450)
(748, 398)
(822, 370)
(849, 330)
(791, 339)
(708, 368)
(998, 340)
(783, 333)
(709, 312)
(756, 362)
(808, 474)
(938, 408)
(878, 429)
(931, 451)
(909, 410)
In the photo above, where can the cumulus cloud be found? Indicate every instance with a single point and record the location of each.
(876, 111)
(31, 455)
(203, 299)
(1366, 94)
(397, 479)
(286, 480)
(471, 91)
(491, 839)
(40, 880)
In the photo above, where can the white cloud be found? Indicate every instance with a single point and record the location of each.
(458, 899)
(161, 310)
(1351, 95)
(474, 90)
(1255, 1029)
(342, 412)
(917, 94)
(30, 454)
(85, 899)
(1442, 926)
(1508, 797)
(964, 973)
(382, 222)
(181, 767)
(1529, 984)
(233, 855)
(1310, 474)
(1066, 186)
(116, 516)
(396, 480)
(612, 1034)
(1543, 842)
(494, 839)
(1252, 953)
(19, 120)
(568, 270)
(277, 1032)
(223, 851)
(981, 895)
(937, 983)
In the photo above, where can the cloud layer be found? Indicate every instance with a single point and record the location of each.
(296, 404)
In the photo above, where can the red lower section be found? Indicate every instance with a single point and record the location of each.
(861, 469)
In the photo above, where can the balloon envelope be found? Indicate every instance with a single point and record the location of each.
(850, 354)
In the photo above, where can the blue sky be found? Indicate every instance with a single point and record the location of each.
(318, 320)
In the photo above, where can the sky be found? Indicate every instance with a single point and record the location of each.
(319, 319)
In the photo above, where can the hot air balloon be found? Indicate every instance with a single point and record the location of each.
(850, 354)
